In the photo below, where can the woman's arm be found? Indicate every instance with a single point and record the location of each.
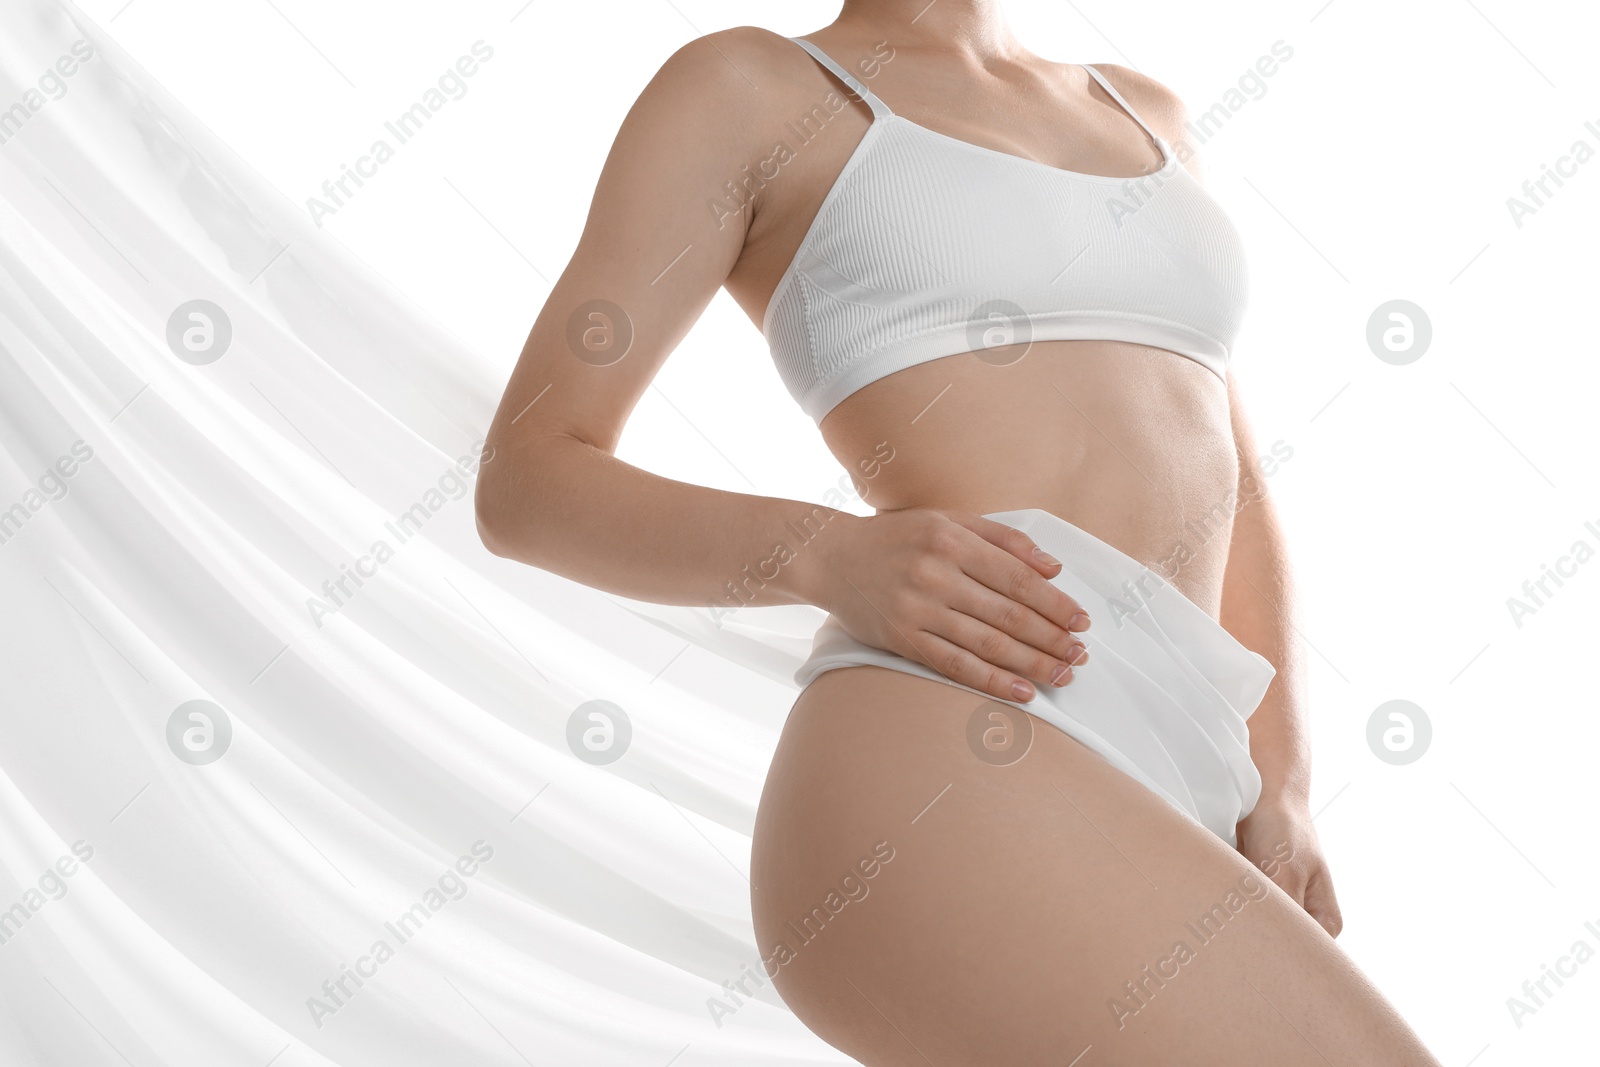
(652, 250)
(657, 245)
(1258, 608)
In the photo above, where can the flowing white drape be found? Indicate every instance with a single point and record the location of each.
(285, 533)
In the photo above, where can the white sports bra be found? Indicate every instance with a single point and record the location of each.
(929, 246)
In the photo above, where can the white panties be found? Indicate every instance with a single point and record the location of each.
(1165, 693)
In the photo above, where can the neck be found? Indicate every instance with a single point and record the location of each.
(976, 27)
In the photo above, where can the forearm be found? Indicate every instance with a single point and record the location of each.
(1258, 609)
(565, 506)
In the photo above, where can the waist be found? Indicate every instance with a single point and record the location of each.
(1187, 550)
(1131, 444)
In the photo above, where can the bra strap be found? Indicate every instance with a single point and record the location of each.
(879, 108)
(1112, 92)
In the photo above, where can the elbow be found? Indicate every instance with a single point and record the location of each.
(489, 513)
(487, 530)
(487, 534)
(511, 503)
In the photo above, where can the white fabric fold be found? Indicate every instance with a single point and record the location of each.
(174, 530)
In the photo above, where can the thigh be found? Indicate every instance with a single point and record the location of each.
(918, 899)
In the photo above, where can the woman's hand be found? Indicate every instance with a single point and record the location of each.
(955, 591)
(1277, 836)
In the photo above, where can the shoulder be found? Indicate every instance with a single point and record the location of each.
(735, 42)
(741, 75)
(715, 93)
(739, 57)
(1162, 108)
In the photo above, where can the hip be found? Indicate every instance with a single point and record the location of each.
(1165, 696)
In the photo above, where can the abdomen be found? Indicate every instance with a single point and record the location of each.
(1132, 444)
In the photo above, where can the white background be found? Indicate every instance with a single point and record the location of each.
(1418, 499)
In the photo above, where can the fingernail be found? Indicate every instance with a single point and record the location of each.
(1046, 558)
(1021, 691)
(1079, 657)
(1060, 674)
(1080, 621)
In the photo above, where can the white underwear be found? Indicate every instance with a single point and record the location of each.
(1165, 693)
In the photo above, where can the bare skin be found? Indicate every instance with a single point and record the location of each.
(1021, 900)
(1142, 448)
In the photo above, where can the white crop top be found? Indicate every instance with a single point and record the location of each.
(929, 246)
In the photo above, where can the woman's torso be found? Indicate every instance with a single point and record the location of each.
(1129, 442)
